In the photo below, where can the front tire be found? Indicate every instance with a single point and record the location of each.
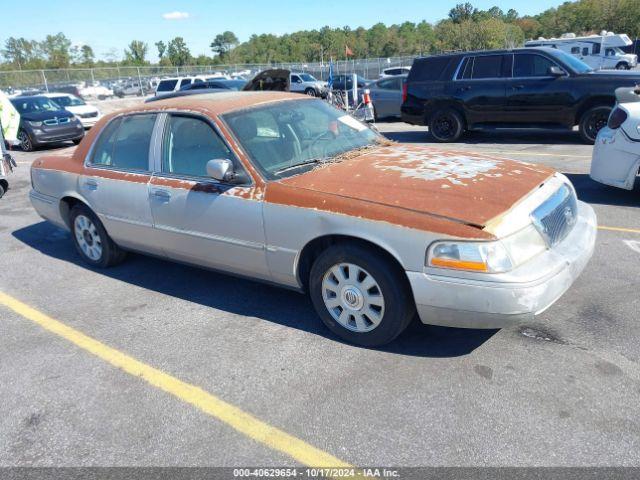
(592, 121)
(446, 125)
(26, 142)
(623, 66)
(91, 239)
(311, 92)
(360, 296)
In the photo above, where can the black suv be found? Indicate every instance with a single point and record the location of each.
(527, 87)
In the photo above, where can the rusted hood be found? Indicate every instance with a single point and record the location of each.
(461, 186)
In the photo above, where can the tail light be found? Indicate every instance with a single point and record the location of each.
(404, 92)
(617, 118)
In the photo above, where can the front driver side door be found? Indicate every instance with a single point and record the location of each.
(536, 96)
(198, 219)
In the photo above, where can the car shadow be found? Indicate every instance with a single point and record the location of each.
(246, 297)
(500, 137)
(591, 191)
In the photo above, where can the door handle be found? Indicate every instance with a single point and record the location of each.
(91, 184)
(162, 195)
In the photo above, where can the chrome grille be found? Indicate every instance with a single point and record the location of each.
(556, 216)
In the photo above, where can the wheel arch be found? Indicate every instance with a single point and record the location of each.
(598, 101)
(316, 246)
(67, 202)
(441, 104)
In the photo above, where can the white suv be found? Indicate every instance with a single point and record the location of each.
(307, 84)
(87, 114)
(170, 85)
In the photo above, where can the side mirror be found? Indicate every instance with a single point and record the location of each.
(556, 71)
(220, 169)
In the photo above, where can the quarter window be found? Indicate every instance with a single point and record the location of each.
(188, 144)
(488, 66)
(529, 65)
(124, 143)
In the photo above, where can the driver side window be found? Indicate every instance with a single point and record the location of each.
(188, 144)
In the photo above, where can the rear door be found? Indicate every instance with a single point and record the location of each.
(535, 96)
(198, 219)
(480, 86)
(116, 185)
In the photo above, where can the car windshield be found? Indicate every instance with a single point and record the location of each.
(290, 137)
(68, 101)
(35, 104)
(307, 78)
(576, 64)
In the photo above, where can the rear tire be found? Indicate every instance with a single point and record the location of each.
(446, 125)
(91, 239)
(592, 121)
(360, 296)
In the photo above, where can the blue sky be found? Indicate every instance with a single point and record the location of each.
(113, 23)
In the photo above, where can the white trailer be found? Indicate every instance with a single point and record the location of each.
(598, 51)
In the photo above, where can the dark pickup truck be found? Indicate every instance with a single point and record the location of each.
(520, 88)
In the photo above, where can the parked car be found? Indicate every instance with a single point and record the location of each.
(386, 96)
(133, 87)
(393, 71)
(88, 114)
(94, 90)
(616, 155)
(219, 83)
(288, 189)
(521, 88)
(44, 121)
(308, 84)
(168, 85)
(345, 82)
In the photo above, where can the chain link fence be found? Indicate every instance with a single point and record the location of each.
(144, 77)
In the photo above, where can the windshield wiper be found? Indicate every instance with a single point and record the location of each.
(298, 165)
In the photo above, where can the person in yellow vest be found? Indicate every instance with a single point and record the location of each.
(9, 124)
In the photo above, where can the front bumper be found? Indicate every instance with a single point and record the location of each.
(481, 301)
(615, 160)
(57, 134)
(89, 122)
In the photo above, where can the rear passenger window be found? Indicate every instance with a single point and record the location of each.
(488, 66)
(124, 143)
(167, 85)
(185, 81)
(188, 144)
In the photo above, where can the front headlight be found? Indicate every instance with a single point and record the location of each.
(35, 124)
(489, 257)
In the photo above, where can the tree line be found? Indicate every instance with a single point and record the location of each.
(465, 28)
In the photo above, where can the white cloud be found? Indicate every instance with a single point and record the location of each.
(175, 15)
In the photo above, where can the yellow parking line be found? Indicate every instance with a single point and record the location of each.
(233, 416)
(619, 229)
